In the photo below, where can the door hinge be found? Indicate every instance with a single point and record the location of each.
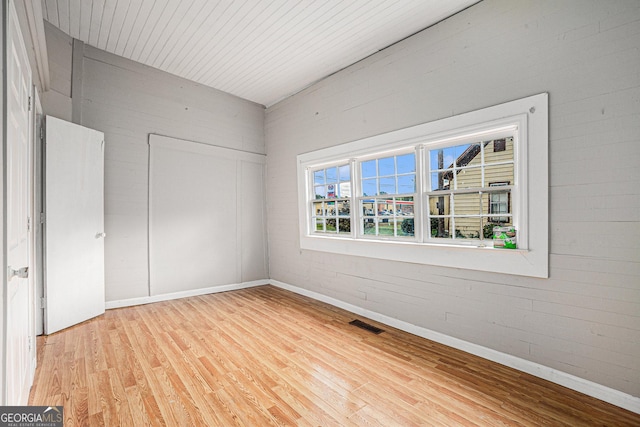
(28, 224)
(42, 217)
(43, 303)
(29, 103)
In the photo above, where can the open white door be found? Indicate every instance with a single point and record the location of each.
(19, 309)
(74, 224)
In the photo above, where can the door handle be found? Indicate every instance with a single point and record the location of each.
(99, 235)
(22, 273)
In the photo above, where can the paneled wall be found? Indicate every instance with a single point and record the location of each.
(57, 100)
(585, 319)
(128, 101)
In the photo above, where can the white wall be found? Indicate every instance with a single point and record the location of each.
(128, 101)
(57, 100)
(585, 319)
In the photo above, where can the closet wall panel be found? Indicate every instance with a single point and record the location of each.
(204, 207)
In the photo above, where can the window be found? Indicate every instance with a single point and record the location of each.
(499, 204)
(500, 145)
(461, 190)
(419, 193)
(331, 203)
(388, 186)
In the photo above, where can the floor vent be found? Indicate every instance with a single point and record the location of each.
(360, 324)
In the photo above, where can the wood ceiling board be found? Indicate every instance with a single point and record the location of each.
(259, 50)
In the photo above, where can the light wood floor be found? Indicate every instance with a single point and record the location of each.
(264, 356)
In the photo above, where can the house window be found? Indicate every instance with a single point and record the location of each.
(499, 204)
(415, 194)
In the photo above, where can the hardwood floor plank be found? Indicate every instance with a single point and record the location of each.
(264, 356)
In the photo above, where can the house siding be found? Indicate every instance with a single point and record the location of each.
(584, 319)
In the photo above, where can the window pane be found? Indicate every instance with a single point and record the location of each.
(385, 207)
(344, 208)
(331, 191)
(406, 163)
(344, 225)
(487, 227)
(369, 169)
(467, 228)
(388, 185)
(467, 204)
(501, 152)
(368, 208)
(317, 209)
(331, 224)
(318, 177)
(332, 175)
(405, 206)
(470, 177)
(330, 208)
(319, 224)
(345, 173)
(442, 158)
(320, 191)
(369, 187)
(439, 205)
(385, 227)
(369, 226)
(467, 154)
(406, 227)
(440, 227)
(345, 189)
(441, 180)
(386, 166)
(406, 184)
(498, 174)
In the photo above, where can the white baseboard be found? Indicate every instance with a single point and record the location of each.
(184, 294)
(581, 385)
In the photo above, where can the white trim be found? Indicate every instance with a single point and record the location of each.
(177, 144)
(529, 116)
(130, 302)
(599, 391)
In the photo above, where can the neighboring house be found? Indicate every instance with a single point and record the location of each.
(474, 213)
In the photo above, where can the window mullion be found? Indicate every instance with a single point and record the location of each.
(311, 222)
(482, 166)
(354, 216)
(418, 219)
(452, 214)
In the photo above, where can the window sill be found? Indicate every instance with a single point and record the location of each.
(521, 262)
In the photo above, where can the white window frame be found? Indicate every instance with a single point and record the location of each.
(525, 119)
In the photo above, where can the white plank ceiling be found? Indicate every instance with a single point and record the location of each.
(260, 50)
